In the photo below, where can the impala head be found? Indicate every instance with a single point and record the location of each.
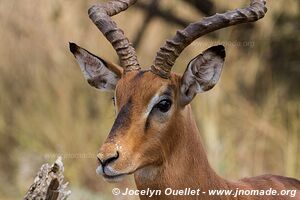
(149, 102)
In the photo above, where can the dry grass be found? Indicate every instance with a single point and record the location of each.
(47, 108)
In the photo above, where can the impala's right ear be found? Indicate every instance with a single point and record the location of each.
(100, 74)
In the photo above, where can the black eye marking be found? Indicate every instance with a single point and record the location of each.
(123, 119)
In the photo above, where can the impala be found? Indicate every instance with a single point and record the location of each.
(155, 136)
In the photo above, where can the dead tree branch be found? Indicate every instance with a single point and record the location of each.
(49, 183)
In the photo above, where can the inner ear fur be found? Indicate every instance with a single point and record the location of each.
(202, 73)
(98, 72)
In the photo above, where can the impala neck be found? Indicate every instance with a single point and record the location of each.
(185, 162)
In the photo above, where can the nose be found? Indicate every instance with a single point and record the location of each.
(104, 160)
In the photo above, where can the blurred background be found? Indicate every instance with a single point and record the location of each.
(249, 123)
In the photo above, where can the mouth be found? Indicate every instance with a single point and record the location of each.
(111, 177)
(114, 178)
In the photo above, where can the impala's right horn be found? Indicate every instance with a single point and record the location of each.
(173, 47)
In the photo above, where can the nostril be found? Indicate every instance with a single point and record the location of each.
(110, 159)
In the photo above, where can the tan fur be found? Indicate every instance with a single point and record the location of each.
(171, 155)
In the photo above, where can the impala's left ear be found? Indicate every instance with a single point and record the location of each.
(202, 73)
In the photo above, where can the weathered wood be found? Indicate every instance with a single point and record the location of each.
(49, 183)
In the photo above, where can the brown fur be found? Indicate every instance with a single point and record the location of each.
(170, 154)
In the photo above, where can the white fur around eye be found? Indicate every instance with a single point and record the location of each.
(154, 100)
(151, 104)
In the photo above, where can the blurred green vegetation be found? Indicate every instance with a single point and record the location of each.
(250, 122)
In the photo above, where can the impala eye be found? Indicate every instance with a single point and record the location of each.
(164, 105)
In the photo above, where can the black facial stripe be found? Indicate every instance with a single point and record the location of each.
(123, 119)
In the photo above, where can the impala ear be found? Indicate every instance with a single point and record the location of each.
(202, 73)
(98, 73)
